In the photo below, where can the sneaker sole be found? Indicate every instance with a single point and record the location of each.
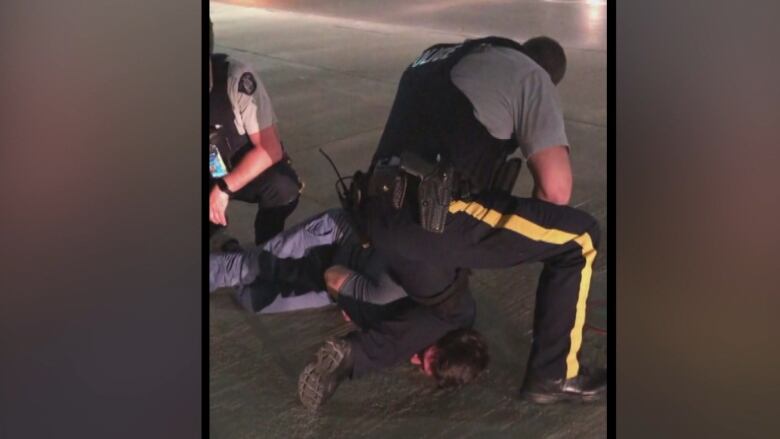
(313, 386)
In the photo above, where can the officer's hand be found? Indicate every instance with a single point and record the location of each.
(218, 202)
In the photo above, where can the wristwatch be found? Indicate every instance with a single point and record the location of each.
(223, 186)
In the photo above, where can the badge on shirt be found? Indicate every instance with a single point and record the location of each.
(247, 84)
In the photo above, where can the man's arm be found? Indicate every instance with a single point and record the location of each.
(412, 328)
(335, 277)
(541, 135)
(360, 287)
(551, 170)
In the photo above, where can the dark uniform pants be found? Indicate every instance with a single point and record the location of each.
(496, 230)
(275, 192)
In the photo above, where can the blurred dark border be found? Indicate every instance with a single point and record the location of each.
(611, 208)
(205, 21)
(102, 317)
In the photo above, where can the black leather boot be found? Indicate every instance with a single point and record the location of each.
(587, 386)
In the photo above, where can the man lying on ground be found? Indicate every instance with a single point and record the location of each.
(294, 270)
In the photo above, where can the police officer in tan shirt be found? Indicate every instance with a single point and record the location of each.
(253, 166)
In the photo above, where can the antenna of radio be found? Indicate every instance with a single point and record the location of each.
(338, 174)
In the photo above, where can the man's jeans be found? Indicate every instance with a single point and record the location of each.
(259, 296)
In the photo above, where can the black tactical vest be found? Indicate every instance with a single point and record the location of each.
(221, 111)
(431, 116)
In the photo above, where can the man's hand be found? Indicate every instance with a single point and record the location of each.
(335, 277)
(218, 202)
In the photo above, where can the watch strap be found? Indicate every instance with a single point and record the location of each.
(223, 186)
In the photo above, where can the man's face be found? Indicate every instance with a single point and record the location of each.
(425, 360)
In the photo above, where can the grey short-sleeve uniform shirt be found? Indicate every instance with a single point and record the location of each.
(512, 94)
(251, 104)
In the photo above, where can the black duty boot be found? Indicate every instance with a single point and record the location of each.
(587, 386)
(320, 378)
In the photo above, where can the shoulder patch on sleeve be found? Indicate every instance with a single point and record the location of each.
(247, 84)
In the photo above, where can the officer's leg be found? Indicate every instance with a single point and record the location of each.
(270, 221)
(276, 193)
(501, 231)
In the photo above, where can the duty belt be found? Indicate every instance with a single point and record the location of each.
(435, 183)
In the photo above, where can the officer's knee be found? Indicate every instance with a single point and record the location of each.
(594, 231)
(284, 182)
(287, 189)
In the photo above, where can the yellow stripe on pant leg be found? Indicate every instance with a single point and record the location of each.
(533, 231)
(589, 253)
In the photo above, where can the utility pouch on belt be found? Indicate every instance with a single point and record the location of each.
(434, 193)
(218, 165)
(506, 176)
(387, 177)
(220, 140)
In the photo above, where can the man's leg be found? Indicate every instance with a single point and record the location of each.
(251, 270)
(264, 298)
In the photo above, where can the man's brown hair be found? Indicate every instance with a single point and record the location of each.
(460, 357)
(549, 54)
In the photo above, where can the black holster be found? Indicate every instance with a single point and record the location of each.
(434, 187)
(437, 185)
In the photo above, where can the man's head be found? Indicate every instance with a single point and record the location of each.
(455, 359)
(549, 55)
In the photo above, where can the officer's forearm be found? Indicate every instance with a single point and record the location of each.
(266, 152)
(560, 196)
(254, 163)
(551, 170)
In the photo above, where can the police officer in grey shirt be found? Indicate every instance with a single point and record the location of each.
(435, 209)
(247, 161)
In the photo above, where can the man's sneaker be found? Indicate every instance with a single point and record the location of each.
(321, 377)
(587, 386)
